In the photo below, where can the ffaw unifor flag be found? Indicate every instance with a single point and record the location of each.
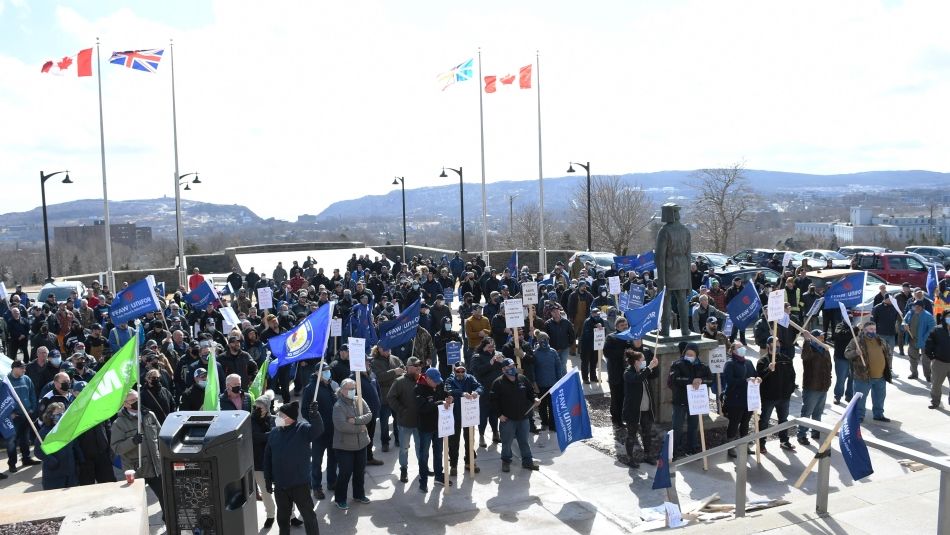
(524, 80)
(81, 64)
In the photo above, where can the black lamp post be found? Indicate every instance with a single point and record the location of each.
(43, 179)
(570, 169)
(461, 201)
(401, 180)
(178, 223)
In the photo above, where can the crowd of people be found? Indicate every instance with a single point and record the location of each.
(313, 436)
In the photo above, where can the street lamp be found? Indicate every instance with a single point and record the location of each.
(461, 200)
(178, 224)
(43, 178)
(570, 169)
(397, 181)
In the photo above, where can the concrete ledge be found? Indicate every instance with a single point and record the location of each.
(91, 509)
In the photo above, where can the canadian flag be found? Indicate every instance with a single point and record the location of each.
(524, 80)
(81, 64)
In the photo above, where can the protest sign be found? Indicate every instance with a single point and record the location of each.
(698, 399)
(470, 412)
(446, 421)
(357, 354)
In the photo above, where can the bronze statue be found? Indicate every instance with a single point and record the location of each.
(672, 265)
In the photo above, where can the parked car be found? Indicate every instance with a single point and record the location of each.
(895, 268)
(757, 257)
(62, 290)
(850, 250)
(819, 258)
(939, 255)
(713, 260)
(823, 278)
(603, 260)
(747, 273)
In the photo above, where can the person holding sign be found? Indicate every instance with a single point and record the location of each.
(870, 367)
(738, 372)
(637, 404)
(816, 380)
(350, 439)
(778, 385)
(441, 339)
(615, 352)
(512, 397)
(687, 372)
(461, 385)
(486, 365)
(430, 395)
(589, 356)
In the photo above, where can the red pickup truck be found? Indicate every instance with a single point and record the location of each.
(895, 268)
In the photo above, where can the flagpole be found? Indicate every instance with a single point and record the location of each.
(26, 414)
(139, 383)
(542, 254)
(110, 276)
(178, 223)
(481, 125)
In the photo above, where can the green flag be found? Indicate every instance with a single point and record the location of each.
(100, 400)
(257, 386)
(211, 389)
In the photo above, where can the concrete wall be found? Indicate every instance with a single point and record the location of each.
(496, 259)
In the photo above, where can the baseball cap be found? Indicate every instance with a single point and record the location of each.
(435, 375)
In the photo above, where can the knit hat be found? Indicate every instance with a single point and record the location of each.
(265, 399)
(291, 410)
(691, 346)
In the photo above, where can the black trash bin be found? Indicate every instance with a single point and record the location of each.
(208, 473)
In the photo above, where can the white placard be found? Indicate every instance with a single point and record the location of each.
(600, 336)
(614, 284)
(396, 307)
(3, 291)
(230, 318)
(787, 258)
(529, 293)
(674, 518)
(698, 399)
(470, 412)
(357, 348)
(753, 397)
(717, 359)
(446, 421)
(336, 327)
(265, 298)
(776, 305)
(514, 313)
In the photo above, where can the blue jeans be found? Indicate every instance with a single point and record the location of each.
(425, 440)
(689, 443)
(516, 429)
(322, 445)
(891, 340)
(404, 434)
(20, 438)
(878, 391)
(844, 385)
(351, 464)
(813, 404)
(780, 406)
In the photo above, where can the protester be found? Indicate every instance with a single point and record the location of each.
(402, 399)
(350, 440)
(687, 372)
(918, 323)
(513, 398)
(386, 367)
(138, 449)
(548, 369)
(637, 403)
(777, 387)
(262, 422)
(234, 398)
(737, 374)
(871, 368)
(321, 389)
(430, 396)
(461, 385)
(22, 432)
(816, 380)
(938, 349)
(59, 467)
(486, 365)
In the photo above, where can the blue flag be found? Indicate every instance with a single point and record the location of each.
(570, 410)
(849, 291)
(513, 263)
(398, 331)
(853, 448)
(135, 301)
(744, 307)
(361, 324)
(202, 296)
(644, 319)
(662, 478)
(932, 282)
(626, 263)
(305, 341)
(7, 405)
(645, 262)
(160, 289)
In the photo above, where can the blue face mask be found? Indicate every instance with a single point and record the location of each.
(326, 375)
(815, 345)
(511, 372)
(870, 334)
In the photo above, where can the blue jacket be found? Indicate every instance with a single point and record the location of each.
(119, 337)
(24, 389)
(548, 367)
(924, 326)
(370, 391)
(59, 468)
(287, 454)
(456, 267)
(457, 388)
(326, 397)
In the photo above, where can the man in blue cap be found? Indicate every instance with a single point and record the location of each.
(430, 394)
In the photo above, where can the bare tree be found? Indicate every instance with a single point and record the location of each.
(620, 212)
(723, 200)
(527, 227)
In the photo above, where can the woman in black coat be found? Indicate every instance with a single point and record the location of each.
(737, 373)
(637, 403)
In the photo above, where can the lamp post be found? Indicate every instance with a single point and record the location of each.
(511, 218)
(461, 201)
(401, 180)
(178, 223)
(570, 169)
(43, 179)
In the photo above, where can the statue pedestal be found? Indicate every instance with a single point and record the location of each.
(666, 349)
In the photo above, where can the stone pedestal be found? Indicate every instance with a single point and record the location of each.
(666, 349)
(116, 508)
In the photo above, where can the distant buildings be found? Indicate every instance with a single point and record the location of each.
(128, 234)
(865, 228)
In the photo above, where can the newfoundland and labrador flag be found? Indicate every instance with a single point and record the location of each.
(305, 341)
(571, 419)
(853, 449)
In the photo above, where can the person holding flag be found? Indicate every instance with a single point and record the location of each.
(59, 467)
(870, 366)
(22, 387)
(135, 440)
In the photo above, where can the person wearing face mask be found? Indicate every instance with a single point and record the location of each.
(871, 370)
(466, 306)
(439, 341)
(461, 385)
(321, 388)
(59, 468)
(918, 322)
(604, 300)
(512, 398)
(350, 439)
(778, 385)
(614, 352)
(402, 399)
(816, 380)
(439, 312)
(287, 465)
(589, 356)
(548, 369)
(492, 306)
(687, 372)
(193, 397)
(637, 403)
(157, 398)
(430, 393)
(234, 398)
(57, 390)
(126, 440)
(486, 365)
(737, 373)
(204, 351)
(938, 349)
(94, 464)
(262, 422)
(23, 386)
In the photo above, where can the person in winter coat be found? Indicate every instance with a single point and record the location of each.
(816, 380)
(917, 325)
(737, 373)
(778, 384)
(637, 403)
(871, 368)
(614, 352)
(350, 439)
(126, 440)
(513, 397)
(844, 383)
(590, 357)
(486, 365)
(287, 465)
(687, 372)
(262, 422)
(938, 349)
(461, 385)
(430, 395)
(157, 398)
(323, 445)
(95, 464)
(548, 369)
(440, 340)
(59, 468)
(402, 400)
(234, 398)
(387, 368)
